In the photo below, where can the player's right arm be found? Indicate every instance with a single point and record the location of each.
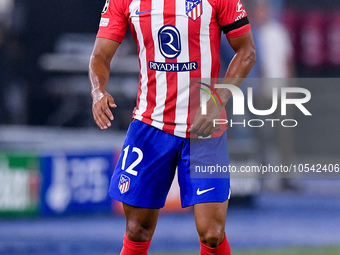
(99, 73)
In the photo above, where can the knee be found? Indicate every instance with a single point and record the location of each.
(212, 238)
(137, 232)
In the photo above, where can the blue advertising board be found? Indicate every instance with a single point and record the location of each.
(76, 183)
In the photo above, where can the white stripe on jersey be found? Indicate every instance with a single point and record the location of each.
(157, 21)
(183, 78)
(135, 5)
(206, 57)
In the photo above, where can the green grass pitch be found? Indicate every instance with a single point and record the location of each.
(290, 251)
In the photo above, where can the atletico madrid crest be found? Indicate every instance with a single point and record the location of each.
(124, 183)
(194, 8)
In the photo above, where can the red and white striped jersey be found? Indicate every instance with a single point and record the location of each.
(178, 40)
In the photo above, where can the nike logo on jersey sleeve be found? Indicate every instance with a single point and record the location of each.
(139, 13)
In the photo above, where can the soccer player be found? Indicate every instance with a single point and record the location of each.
(178, 42)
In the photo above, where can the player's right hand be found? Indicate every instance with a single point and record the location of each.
(101, 108)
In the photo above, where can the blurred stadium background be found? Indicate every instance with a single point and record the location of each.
(55, 165)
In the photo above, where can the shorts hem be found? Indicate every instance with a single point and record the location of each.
(204, 202)
(137, 204)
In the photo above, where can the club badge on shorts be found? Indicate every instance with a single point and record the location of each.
(124, 183)
(194, 8)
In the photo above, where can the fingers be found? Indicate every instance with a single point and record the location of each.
(205, 132)
(204, 124)
(111, 101)
(108, 113)
(102, 113)
(100, 117)
(202, 127)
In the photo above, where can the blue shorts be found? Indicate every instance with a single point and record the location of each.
(148, 161)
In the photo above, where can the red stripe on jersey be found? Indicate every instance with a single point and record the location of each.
(169, 114)
(140, 74)
(145, 26)
(139, 90)
(215, 42)
(194, 55)
(134, 36)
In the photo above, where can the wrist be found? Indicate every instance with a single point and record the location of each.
(224, 95)
(95, 93)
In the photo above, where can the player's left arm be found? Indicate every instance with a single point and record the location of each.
(239, 67)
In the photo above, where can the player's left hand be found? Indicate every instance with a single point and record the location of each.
(203, 125)
(101, 108)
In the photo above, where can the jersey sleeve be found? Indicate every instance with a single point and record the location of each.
(232, 17)
(113, 23)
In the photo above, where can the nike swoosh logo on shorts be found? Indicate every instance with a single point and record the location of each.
(200, 192)
(139, 13)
